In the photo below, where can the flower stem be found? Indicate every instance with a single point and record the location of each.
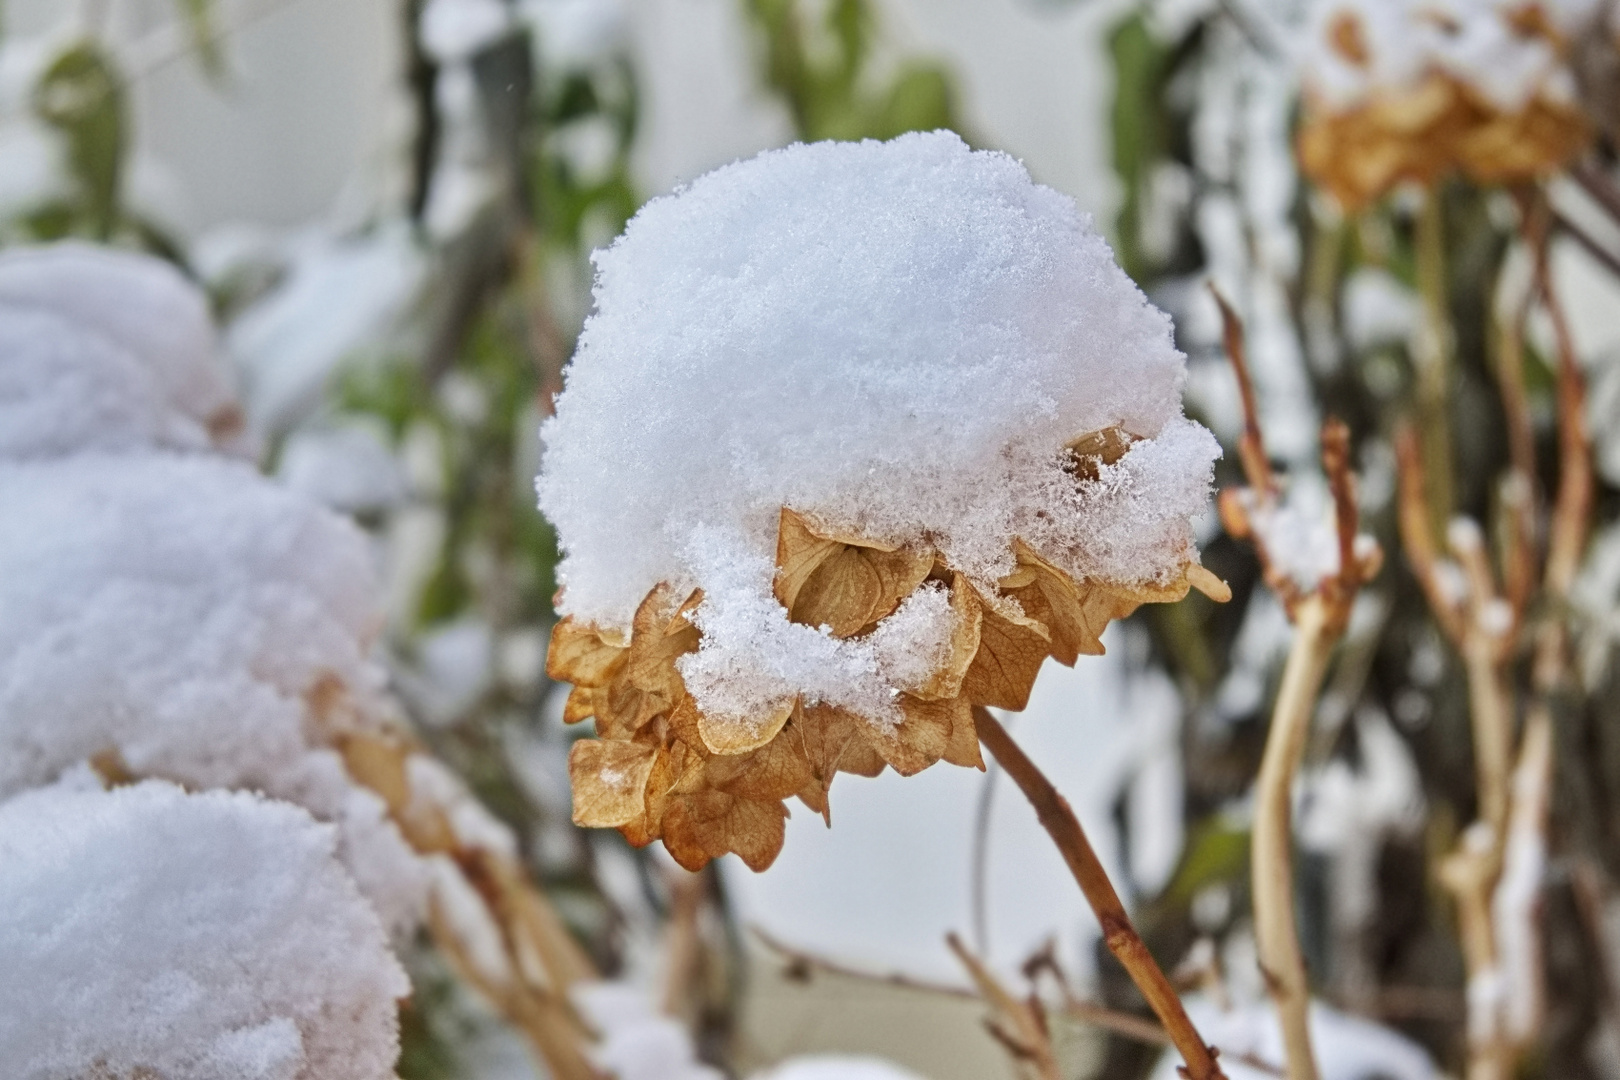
(1123, 941)
(1271, 866)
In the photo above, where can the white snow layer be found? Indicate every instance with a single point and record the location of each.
(107, 349)
(189, 937)
(895, 338)
(191, 616)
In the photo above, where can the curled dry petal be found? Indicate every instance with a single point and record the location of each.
(660, 768)
(842, 582)
(609, 781)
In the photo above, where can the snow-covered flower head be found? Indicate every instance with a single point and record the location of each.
(857, 436)
(181, 616)
(152, 933)
(1410, 90)
(111, 350)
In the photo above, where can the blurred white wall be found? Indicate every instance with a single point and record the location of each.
(311, 122)
(307, 124)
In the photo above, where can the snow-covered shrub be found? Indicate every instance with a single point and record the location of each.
(184, 617)
(103, 349)
(858, 435)
(154, 933)
(1405, 90)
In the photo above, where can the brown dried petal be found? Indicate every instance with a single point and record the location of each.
(581, 705)
(1012, 648)
(842, 583)
(708, 824)
(739, 737)
(829, 738)
(921, 737)
(946, 681)
(581, 654)
(777, 770)
(1069, 610)
(963, 747)
(661, 637)
(609, 781)
(1091, 451)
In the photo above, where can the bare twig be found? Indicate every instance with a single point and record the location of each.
(1028, 1040)
(1320, 615)
(801, 964)
(1251, 446)
(1271, 866)
(1121, 937)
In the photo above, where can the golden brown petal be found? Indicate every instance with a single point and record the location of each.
(581, 654)
(1091, 451)
(946, 682)
(708, 824)
(841, 582)
(1012, 648)
(778, 770)
(963, 747)
(609, 781)
(737, 737)
(922, 736)
(581, 704)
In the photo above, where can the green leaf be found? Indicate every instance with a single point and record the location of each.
(81, 95)
(1138, 127)
(199, 17)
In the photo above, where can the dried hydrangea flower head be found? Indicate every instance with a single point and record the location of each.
(1411, 90)
(153, 933)
(110, 350)
(857, 436)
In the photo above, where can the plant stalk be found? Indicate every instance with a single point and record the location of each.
(1059, 820)
(1272, 864)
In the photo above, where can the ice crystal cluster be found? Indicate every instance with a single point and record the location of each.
(1411, 89)
(856, 436)
(149, 932)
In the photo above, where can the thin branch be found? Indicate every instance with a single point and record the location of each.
(1122, 939)
(1519, 489)
(1030, 1041)
(1576, 232)
(801, 964)
(1596, 183)
(1251, 446)
(1271, 857)
(1417, 540)
(979, 871)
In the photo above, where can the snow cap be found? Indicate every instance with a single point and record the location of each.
(122, 321)
(189, 937)
(897, 340)
(197, 621)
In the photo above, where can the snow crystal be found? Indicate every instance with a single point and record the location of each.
(194, 618)
(895, 338)
(193, 937)
(139, 306)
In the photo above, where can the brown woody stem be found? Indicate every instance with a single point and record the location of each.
(1271, 861)
(1059, 820)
